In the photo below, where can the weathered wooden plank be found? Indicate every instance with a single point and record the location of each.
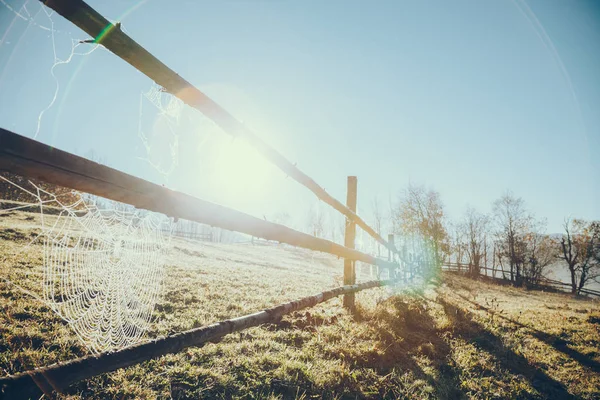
(115, 40)
(349, 239)
(27, 157)
(58, 377)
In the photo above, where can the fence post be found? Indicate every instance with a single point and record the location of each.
(350, 234)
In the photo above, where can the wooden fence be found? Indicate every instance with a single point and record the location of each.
(204, 237)
(27, 157)
(57, 377)
(494, 272)
(192, 231)
(22, 156)
(115, 40)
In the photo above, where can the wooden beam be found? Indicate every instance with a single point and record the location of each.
(116, 41)
(27, 157)
(349, 241)
(57, 377)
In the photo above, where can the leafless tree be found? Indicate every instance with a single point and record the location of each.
(421, 212)
(541, 253)
(377, 220)
(512, 223)
(282, 218)
(475, 226)
(316, 221)
(457, 242)
(580, 249)
(334, 224)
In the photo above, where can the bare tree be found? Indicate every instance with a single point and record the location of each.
(486, 249)
(594, 230)
(334, 225)
(512, 221)
(541, 253)
(392, 211)
(340, 226)
(475, 227)
(377, 220)
(316, 221)
(282, 218)
(421, 212)
(457, 242)
(580, 249)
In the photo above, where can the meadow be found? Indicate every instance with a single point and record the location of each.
(450, 339)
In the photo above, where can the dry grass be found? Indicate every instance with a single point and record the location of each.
(455, 339)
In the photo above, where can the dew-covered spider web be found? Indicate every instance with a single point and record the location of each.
(103, 271)
(103, 262)
(103, 265)
(161, 139)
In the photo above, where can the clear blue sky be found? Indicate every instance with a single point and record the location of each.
(470, 98)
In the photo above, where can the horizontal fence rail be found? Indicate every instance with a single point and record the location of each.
(27, 157)
(544, 282)
(57, 377)
(115, 40)
(563, 286)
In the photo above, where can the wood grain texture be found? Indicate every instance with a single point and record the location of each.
(349, 240)
(27, 157)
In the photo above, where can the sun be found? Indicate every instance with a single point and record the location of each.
(244, 175)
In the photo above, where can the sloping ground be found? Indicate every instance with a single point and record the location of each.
(454, 339)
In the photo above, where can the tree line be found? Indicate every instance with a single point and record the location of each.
(510, 239)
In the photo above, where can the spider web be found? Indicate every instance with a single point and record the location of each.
(103, 262)
(166, 111)
(103, 273)
(42, 19)
(103, 267)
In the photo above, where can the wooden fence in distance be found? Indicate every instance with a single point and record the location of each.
(192, 230)
(494, 272)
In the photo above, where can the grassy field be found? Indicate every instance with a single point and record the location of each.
(456, 338)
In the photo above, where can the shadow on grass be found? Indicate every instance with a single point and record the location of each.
(406, 331)
(406, 343)
(470, 330)
(555, 341)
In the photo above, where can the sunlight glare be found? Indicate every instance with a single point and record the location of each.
(244, 175)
